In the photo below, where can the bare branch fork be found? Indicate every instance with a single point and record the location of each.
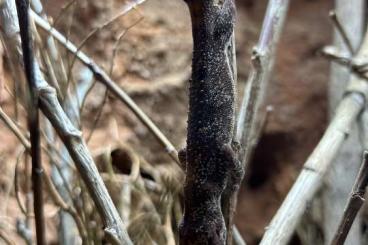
(310, 179)
(71, 137)
(33, 119)
(354, 204)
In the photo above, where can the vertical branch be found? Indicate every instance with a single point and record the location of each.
(211, 164)
(262, 61)
(33, 119)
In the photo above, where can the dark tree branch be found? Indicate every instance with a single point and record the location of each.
(33, 119)
(354, 204)
(211, 165)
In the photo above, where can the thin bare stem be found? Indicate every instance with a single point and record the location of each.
(14, 128)
(49, 104)
(102, 77)
(354, 204)
(114, 53)
(58, 200)
(33, 119)
(341, 31)
(310, 179)
(262, 63)
(6, 238)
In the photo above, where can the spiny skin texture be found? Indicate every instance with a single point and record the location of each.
(209, 157)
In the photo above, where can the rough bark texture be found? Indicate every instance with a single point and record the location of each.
(211, 165)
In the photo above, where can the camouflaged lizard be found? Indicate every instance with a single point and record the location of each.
(209, 158)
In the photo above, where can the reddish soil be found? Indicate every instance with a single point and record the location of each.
(153, 66)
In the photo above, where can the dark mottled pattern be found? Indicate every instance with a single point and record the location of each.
(209, 156)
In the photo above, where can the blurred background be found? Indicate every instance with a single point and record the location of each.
(152, 64)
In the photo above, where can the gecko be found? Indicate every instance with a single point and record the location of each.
(209, 158)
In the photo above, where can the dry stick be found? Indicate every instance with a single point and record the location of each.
(114, 227)
(358, 66)
(17, 132)
(310, 179)
(341, 31)
(50, 186)
(33, 119)
(22, 207)
(238, 240)
(102, 77)
(354, 204)
(58, 200)
(89, 36)
(262, 60)
(112, 63)
(4, 236)
(14, 128)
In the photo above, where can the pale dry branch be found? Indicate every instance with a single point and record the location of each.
(341, 31)
(58, 200)
(310, 179)
(114, 227)
(262, 63)
(102, 77)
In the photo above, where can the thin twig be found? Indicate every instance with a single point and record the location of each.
(58, 200)
(6, 238)
(14, 128)
(22, 207)
(88, 37)
(114, 53)
(49, 104)
(262, 63)
(354, 204)
(33, 119)
(341, 31)
(310, 179)
(102, 77)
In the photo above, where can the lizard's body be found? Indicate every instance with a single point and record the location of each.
(209, 156)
